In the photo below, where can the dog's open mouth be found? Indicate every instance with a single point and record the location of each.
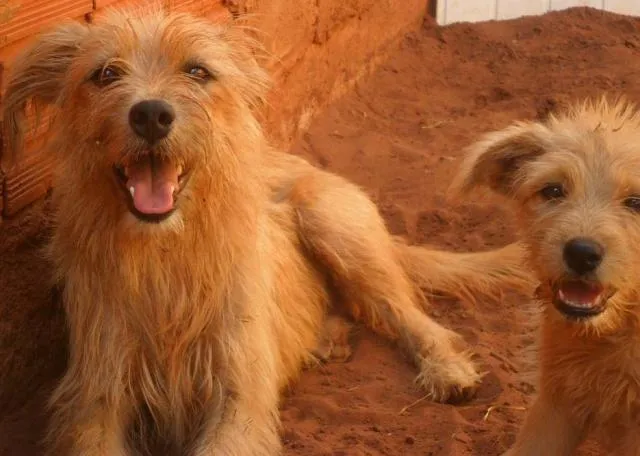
(580, 299)
(151, 186)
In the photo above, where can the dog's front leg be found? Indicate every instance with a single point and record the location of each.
(246, 428)
(81, 429)
(548, 430)
(246, 420)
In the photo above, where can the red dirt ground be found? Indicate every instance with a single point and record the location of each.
(399, 135)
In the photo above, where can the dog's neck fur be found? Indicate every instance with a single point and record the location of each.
(153, 282)
(590, 353)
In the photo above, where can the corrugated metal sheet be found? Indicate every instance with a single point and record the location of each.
(450, 11)
(563, 4)
(508, 9)
(631, 7)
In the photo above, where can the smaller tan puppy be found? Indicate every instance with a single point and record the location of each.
(575, 179)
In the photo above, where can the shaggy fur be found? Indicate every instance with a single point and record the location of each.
(192, 326)
(576, 175)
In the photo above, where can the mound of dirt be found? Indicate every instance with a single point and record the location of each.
(399, 134)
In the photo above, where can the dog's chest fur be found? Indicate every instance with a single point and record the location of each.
(153, 321)
(598, 378)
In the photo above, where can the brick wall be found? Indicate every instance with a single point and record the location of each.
(321, 47)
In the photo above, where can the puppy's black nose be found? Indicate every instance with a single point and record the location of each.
(582, 255)
(151, 119)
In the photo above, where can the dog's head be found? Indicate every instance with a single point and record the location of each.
(575, 179)
(148, 105)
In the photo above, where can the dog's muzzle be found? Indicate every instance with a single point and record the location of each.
(579, 299)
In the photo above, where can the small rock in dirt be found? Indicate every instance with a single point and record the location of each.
(500, 94)
(409, 440)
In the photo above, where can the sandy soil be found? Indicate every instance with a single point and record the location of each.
(399, 135)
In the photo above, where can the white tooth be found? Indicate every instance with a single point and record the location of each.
(132, 190)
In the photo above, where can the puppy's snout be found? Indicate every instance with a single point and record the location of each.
(151, 119)
(583, 255)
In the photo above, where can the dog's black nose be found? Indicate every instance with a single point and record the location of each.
(151, 119)
(582, 255)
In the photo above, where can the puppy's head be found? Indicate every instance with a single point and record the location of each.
(575, 180)
(148, 106)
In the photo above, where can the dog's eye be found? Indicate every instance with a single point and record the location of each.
(553, 192)
(105, 76)
(199, 73)
(633, 203)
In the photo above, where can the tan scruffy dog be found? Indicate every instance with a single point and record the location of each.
(199, 265)
(575, 179)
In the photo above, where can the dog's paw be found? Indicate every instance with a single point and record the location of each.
(452, 378)
(333, 353)
(333, 344)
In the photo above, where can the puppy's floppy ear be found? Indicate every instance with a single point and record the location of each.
(36, 79)
(494, 161)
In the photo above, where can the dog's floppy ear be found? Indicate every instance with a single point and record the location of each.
(36, 80)
(494, 161)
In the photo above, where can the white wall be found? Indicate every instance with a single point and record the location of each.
(450, 11)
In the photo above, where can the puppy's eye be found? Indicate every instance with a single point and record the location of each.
(553, 192)
(633, 203)
(198, 73)
(104, 76)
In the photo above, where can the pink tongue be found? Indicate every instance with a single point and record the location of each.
(153, 183)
